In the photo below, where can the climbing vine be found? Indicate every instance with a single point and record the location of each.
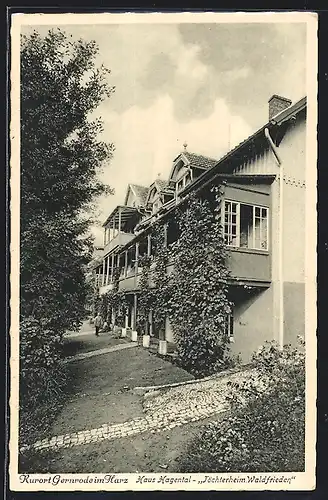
(199, 289)
(114, 300)
(144, 296)
(161, 281)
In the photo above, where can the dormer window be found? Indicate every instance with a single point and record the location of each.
(156, 206)
(184, 181)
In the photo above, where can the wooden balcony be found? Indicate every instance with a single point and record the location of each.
(250, 265)
(119, 240)
(246, 266)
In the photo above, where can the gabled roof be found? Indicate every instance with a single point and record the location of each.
(140, 193)
(161, 183)
(225, 164)
(200, 160)
(192, 160)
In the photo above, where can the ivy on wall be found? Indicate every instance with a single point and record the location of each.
(115, 301)
(144, 296)
(194, 296)
(199, 303)
(161, 281)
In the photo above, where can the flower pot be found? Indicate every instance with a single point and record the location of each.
(145, 340)
(162, 347)
(134, 335)
(123, 333)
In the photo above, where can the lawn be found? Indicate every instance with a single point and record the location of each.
(100, 393)
(89, 342)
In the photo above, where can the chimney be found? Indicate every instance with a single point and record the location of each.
(277, 104)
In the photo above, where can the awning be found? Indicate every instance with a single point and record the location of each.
(122, 213)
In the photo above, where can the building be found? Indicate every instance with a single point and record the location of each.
(262, 213)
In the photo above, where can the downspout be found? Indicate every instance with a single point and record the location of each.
(281, 218)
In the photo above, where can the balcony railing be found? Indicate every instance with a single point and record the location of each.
(245, 265)
(250, 265)
(119, 240)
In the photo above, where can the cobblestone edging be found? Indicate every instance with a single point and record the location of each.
(164, 410)
(225, 373)
(98, 352)
(130, 428)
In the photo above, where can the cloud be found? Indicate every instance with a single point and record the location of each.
(188, 82)
(148, 139)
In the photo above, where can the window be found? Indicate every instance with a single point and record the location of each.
(182, 183)
(156, 205)
(245, 226)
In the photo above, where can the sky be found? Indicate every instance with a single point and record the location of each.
(204, 84)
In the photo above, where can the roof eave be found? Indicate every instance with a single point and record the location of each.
(114, 212)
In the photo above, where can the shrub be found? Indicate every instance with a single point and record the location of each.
(42, 376)
(264, 429)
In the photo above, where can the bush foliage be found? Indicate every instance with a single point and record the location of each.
(264, 428)
(42, 376)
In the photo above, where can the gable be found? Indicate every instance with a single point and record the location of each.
(178, 164)
(136, 195)
(153, 192)
(180, 172)
(130, 199)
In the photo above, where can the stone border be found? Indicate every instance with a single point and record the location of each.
(229, 371)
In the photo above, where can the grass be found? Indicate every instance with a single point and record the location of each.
(88, 343)
(99, 393)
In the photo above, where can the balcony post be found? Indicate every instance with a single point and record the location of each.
(112, 268)
(126, 318)
(107, 274)
(103, 273)
(165, 234)
(149, 245)
(110, 232)
(113, 317)
(150, 322)
(126, 263)
(134, 312)
(119, 219)
(136, 263)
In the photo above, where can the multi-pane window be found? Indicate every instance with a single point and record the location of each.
(245, 226)
(231, 215)
(182, 183)
(156, 206)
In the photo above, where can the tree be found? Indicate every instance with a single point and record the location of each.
(199, 296)
(61, 157)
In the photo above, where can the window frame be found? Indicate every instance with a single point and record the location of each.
(183, 181)
(238, 204)
(156, 205)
